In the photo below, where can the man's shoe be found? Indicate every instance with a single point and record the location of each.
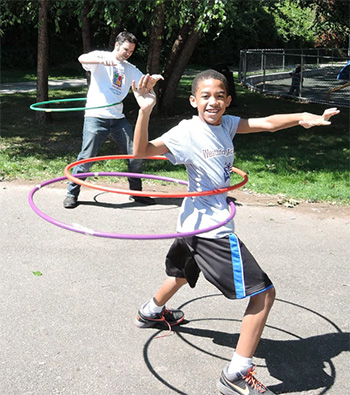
(70, 202)
(146, 200)
(243, 383)
(167, 317)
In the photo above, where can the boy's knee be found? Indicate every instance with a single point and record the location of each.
(265, 299)
(270, 296)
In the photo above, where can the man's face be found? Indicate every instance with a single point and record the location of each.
(211, 101)
(124, 50)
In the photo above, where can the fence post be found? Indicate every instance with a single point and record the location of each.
(243, 66)
(301, 75)
(264, 71)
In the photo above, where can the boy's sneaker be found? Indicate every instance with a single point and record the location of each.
(167, 317)
(243, 383)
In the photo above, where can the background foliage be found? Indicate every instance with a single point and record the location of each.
(226, 26)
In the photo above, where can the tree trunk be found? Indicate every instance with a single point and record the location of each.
(114, 33)
(176, 49)
(86, 32)
(42, 91)
(156, 40)
(175, 71)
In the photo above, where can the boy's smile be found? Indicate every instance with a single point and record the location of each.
(211, 101)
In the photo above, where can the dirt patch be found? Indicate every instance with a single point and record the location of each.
(324, 209)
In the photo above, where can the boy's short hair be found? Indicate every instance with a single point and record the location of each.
(126, 36)
(208, 74)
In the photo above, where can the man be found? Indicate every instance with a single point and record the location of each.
(111, 79)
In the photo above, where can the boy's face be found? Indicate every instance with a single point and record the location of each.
(210, 100)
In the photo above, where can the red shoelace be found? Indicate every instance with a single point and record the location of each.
(253, 382)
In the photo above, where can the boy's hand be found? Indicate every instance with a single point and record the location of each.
(145, 97)
(153, 79)
(310, 120)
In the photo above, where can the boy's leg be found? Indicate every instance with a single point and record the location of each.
(154, 311)
(254, 321)
(238, 376)
(169, 287)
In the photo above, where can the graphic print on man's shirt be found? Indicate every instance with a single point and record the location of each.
(118, 77)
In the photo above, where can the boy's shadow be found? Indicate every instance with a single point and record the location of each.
(299, 364)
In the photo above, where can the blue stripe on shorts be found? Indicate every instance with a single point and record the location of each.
(237, 265)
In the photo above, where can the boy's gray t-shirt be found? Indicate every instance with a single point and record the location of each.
(208, 154)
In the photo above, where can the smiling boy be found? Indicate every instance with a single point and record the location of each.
(204, 145)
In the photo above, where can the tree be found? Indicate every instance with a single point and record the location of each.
(332, 22)
(156, 39)
(42, 93)
(194, 18)
(295, 23)
(85, 28)
(171, 33)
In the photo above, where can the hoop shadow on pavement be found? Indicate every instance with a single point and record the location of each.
(298, 363)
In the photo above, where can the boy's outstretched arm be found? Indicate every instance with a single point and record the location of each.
(284, 121)
(146, 99)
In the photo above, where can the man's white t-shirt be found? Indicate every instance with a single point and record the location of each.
(207, 152)
(109, 84)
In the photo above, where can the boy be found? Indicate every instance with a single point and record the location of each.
(204, 144)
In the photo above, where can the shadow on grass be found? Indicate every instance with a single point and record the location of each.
(297, 154)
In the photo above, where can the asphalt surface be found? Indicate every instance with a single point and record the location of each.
(71, 329)
(30, 86)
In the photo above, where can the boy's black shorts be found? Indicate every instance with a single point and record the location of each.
(225, 262)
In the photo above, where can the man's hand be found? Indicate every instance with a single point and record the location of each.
(110, 60)
(310, 120)
(145, 97)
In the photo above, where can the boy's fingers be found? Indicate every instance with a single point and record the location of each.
(157, 77)
(330, 112)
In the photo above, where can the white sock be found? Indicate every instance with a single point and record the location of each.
(152, 308)
(239, 363)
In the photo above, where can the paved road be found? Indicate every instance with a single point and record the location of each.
(71, 330)
(30, 86)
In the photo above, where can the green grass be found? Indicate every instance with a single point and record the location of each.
(308, 164)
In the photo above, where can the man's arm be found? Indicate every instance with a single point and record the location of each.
(142, 147)
(97, 58)
(284, 121)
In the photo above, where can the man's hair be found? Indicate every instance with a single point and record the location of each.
(126, 36)
(206, 75)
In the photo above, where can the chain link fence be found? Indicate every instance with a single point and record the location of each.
(317, 75)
